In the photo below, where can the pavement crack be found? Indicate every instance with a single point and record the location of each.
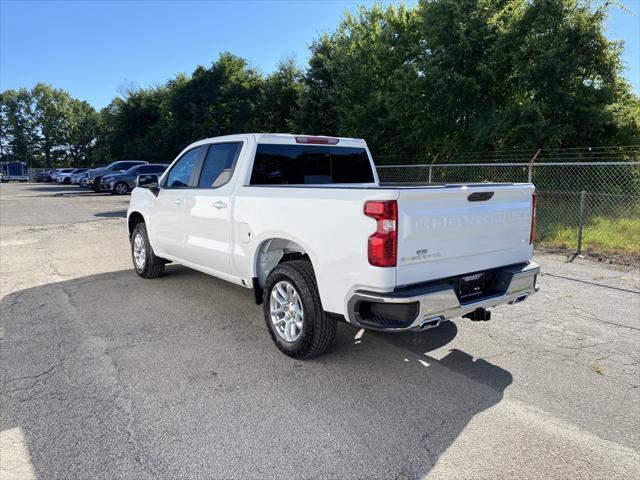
(122, 402)
(37, 375)
(595, 317)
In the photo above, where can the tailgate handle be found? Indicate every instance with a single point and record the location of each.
(480, 196)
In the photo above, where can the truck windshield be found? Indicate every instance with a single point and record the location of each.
(310, 165)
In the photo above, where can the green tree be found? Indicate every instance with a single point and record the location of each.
(5, 142)
(318, 112)
(130, 121)
(18, 125)
(51, 110)
(219, 100)
(280, 102)
(452, 75)
(80, 131)
(560, 79)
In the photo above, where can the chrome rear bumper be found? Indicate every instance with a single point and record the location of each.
(435, 302)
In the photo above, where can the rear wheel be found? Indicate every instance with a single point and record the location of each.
(296, 321)
(145, 262)
(121, 188)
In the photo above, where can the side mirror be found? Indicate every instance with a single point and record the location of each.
(148, 181)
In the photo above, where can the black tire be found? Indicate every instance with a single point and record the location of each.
(66, 181)
(318, 329)
(153, 266)
(96, 184)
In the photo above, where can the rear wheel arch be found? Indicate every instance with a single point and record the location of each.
(270, 254)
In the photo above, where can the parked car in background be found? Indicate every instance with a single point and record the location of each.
(305, 222)
(76, 177)
(96, 174)
(44, 176)
(66, 177)
(123, 183)
(60, 171)
(14, 171)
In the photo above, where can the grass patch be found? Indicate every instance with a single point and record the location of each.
(601, 234)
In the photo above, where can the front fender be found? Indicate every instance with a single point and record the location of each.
(141, 203)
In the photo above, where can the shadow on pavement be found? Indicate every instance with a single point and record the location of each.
(113, 214)
(57, 188)
(113, 376)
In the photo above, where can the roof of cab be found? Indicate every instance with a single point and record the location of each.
(281, 138)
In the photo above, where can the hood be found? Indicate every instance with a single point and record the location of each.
(113, 176)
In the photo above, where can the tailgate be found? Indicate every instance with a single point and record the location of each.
(457, 229)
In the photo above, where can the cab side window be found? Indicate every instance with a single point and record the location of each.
(181, 173)
(218, 165)
(125, 166)
(149, 169)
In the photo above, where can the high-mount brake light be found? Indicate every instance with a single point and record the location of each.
(534, 202)
(318, 140)
(383, 244)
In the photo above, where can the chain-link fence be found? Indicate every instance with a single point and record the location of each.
(588, 199)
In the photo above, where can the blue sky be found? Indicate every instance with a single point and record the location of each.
(90, 48)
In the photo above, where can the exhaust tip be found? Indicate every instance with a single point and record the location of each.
(520, 298)
(430, 323)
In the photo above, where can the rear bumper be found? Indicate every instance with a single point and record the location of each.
(422, 306)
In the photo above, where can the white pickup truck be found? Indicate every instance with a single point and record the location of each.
(305, 223)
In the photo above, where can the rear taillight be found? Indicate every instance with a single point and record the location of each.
(383, 244)
(534, 201)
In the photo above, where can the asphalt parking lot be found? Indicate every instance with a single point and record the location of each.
(106, 375)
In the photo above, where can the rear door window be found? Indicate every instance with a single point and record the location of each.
(218, 165)
(310, 165)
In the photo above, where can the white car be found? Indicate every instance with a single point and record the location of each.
(66, 175)
(60, 171)
(305, 223)
(77, 177)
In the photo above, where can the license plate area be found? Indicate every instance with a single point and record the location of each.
(476, 286)
(471, 286)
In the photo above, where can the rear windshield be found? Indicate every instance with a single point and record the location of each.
(310, 165)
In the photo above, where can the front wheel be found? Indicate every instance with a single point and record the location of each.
(296, 321)
(145, 262)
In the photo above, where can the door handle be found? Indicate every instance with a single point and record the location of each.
(220, 205)
(178, 201)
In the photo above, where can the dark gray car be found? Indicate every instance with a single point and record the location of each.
(96, 174)
(123, 183)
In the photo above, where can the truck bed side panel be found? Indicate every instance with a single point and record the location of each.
(327, 222)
